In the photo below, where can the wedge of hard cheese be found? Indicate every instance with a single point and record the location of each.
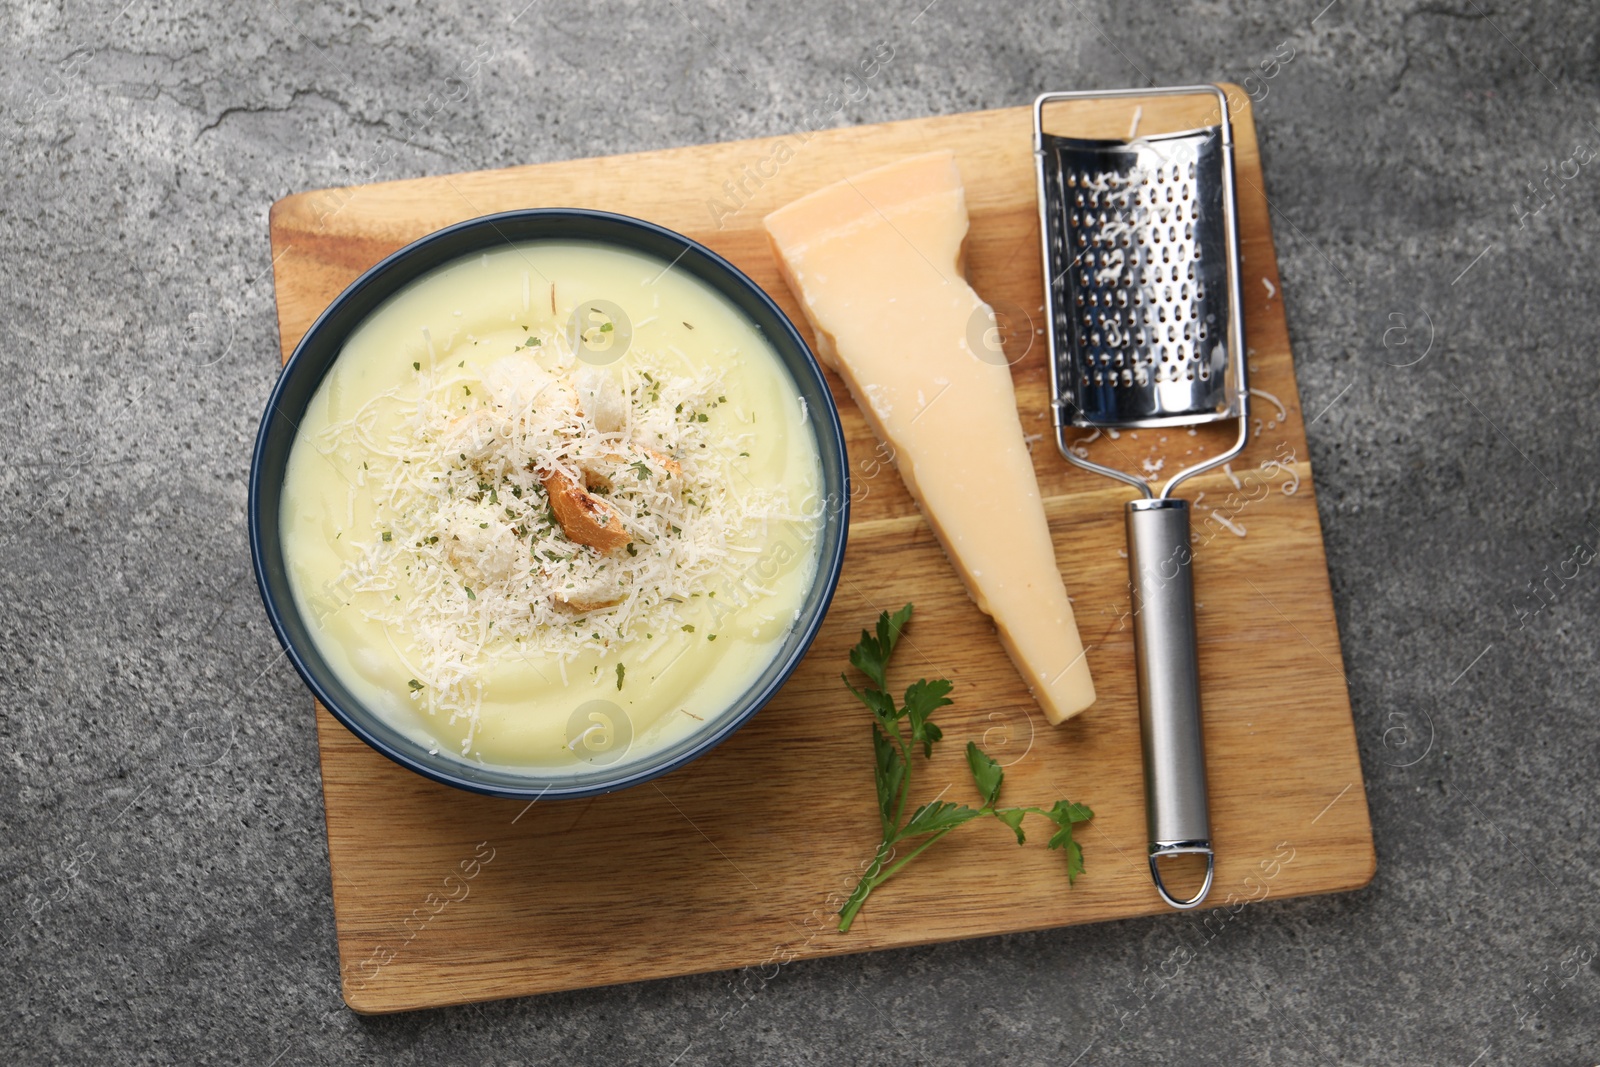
(875, 262)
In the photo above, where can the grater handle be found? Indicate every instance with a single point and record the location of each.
(1169, 686)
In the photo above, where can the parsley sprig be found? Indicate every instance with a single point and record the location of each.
(898, 729)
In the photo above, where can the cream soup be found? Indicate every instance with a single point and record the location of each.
(554, 506)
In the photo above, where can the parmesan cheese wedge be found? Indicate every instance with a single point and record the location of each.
(875, 261)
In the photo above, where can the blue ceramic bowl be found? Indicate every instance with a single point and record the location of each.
(322, 345)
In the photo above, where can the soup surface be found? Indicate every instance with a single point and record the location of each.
(553, 507)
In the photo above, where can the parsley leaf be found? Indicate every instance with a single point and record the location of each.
(922, 700)
(1012, 817)
(1066, 816)
(891, 775)
(939, 815)
(871, 655)
(987, 774)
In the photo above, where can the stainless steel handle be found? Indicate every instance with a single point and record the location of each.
(1169, 687)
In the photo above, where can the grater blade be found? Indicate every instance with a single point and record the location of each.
(1140, 295)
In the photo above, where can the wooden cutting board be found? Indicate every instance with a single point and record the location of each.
(738, 860)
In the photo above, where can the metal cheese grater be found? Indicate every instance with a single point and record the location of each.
(1141, 260)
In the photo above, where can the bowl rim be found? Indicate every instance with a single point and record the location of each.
(391, 270)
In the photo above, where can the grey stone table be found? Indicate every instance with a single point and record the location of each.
(1433, 174)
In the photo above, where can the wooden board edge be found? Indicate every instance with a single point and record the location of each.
(278, 246)
(508, 989)
(322, 718)
(284, 207)
(1238, 101)
(1243, 118)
